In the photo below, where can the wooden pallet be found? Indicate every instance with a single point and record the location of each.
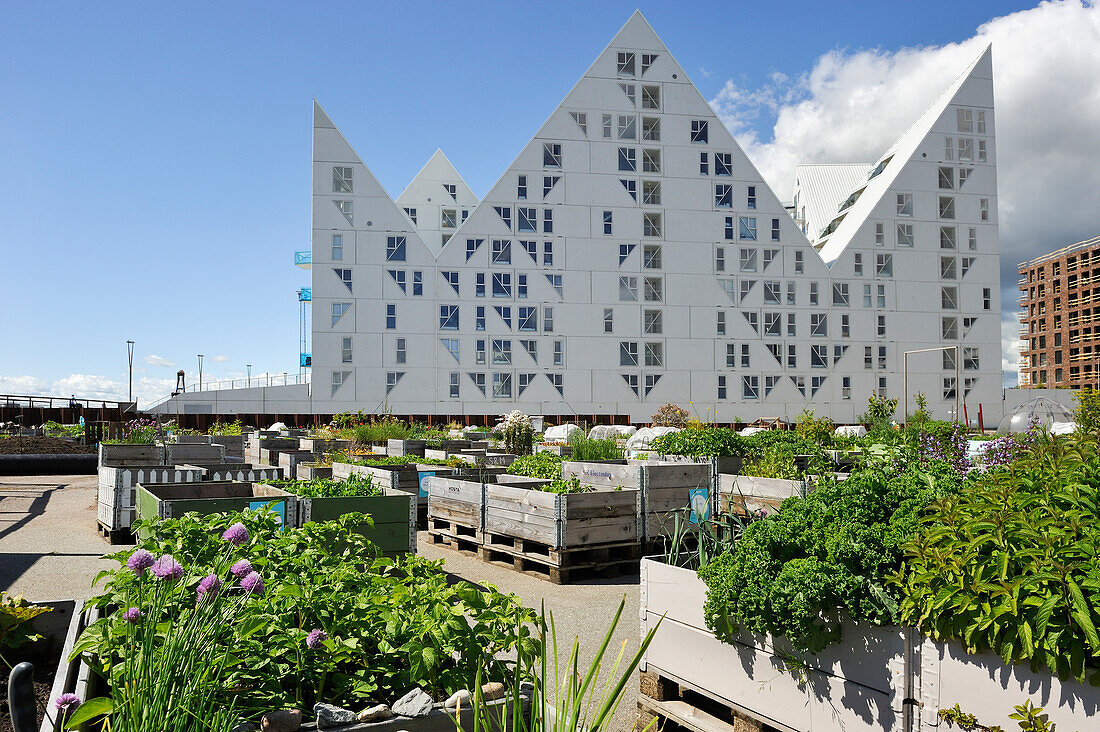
(560, 566)
(115, 536)
(670, 707)
(455, 535)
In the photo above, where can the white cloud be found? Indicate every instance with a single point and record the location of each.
(852, 105)
(155, 360)
(704, 73)
(220, 359)
(22, 385)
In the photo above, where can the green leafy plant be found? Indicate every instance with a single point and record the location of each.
(1029, 717)
(545, 465)
(353, 486)
(1087, 413)
(705, 442)
(774, 463)
(565, 485)
(818, 430)
(15, 615)
(226, 428)
(392, 460)
(879, 414)
(56, 429)
(822, 557)
(517, 433)
(588, 449)
(1011, 565)
(388, 624)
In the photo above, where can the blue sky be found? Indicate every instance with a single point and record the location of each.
(155, 157)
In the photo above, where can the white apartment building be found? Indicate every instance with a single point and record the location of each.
(632, 255)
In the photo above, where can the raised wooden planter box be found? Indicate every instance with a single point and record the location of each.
(171, 500)
(521, 481)
(322, 446)
(410, 478)
(290, 460)
(881, 679)
(233, 444)
(258, 446)
(396, 448)
(665, 489)
(394, 530)
(125, 455)
(184, 453)
(117, 491)
(742, 494)
(235, 471)
(456, 511)
(313, 471)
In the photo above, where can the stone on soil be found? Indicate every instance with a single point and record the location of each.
(287, 720)
(330, 716)
(416, 703)
(375, 713)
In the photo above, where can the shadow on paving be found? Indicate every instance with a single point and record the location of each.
(37, 508)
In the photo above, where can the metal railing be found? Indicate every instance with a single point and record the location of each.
(259, 380)
(56, 402)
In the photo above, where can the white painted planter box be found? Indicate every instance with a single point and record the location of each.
(749, 493)
(117, 490)
(859, 684)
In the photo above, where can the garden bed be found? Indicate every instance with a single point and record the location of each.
(117, 490)
(170, 500)
(746, 494)
(394, 518)
(870, 680)
(42, 446)
(58, 629)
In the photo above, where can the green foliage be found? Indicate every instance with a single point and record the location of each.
(774, 463)
(1029, 717)
(545, 465)
(1087, 413)
(798, 572)
(56, 429)
(226, 428)
(670, 415)
(517, 433)
(354, 485)
(818, 430)
(879, 414)
(15, 613)
(566, 485)
(1011, 563)
(705, 442)
(391, 624)
(587, 449)
(379, 430)
(393, 460)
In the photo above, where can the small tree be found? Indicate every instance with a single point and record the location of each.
(670, 415)
(815, 429)
(880, 412)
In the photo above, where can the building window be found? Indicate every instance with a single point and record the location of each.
(548, 183)
(581, 118)
(628, 126)
(528, 319)
(845, 326)
(750, 387)
(651, 192)
(905, 204)
(502, 352)
(651, 224)
(651, 161)
(983, 207)
(452, 279)
(449, 218)
(502, 251)
(411, 212)
(882, 357)
(819, 357)
(345, 207)
(723, 195)
(548, 320)
(652, 322)
(345, 350)
(625, 65)
(418, 283)
(448, 317)
(607, 221)
(628, 289)
(704, 164)
(857, 265)
(654, 354)
(773, 324)
(720, 259)
(651, 97)
(747, 228)
(946, 178)
(813, 293)
(983, 153)
(341, 180)
(631, 381)
(654, 289)
(651, 256)
(987, 300)
(771, 292)
(721, 387)
(948, 388)
(339, 308)
(479, 352)
(398, 276)
(338, 379)
(948, 148)
(881, 330)
(966, 149)
(971, 360)
(628, 159)
(840, 293)
(505, 314)
(608, 320)
(395, 249)
(948, 268)
(947, 207)
(819, 325)
(559, 353)
(337, 247)
(527, 219)
(775, 229)
(798, 262)
(750, 201)
(748, 260)
(502, 385)
(551, 155)
(949, 298)
(790, 293)
(884, 265)
(399, 350)
(720, 324)
(391, 316)
(880, 234)
(866, 296)
(949, 328)
(651, 129)
(699, 132)
(905, 235)
(881, 295)
(502, 284)
(948, 237)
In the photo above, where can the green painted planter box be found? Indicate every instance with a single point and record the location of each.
(171, 500)
(394, 514)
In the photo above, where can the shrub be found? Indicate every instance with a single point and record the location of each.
(380, 430)
(818, 430)
(544, 465)
(353, 486)
(1009, 564)
(879, 414)
(774, 463)
(517, 433)
(226, 428)
(670, 415)
(705, 442)
(1087, 413)
(798, 572)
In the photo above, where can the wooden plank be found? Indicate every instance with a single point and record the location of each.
(604, 474)
(580, 533)
(534, 500)
(524, 529)
(676, 475)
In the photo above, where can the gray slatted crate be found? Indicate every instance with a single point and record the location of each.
(117, 490)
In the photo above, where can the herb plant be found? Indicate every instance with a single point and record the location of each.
(587, 449)
(354, 485)
(705, 442)
(545, 465)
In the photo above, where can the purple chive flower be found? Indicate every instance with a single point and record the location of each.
(209, 585)
(140, 561)
(67, 703)
(132, 615)
(168, 568)
(241, 569)
(253, 583)
(316, 639)
(236, 534)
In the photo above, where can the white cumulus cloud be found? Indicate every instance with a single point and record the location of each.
(22, 385)
(220, 359)
(852, 105)
(154, 360)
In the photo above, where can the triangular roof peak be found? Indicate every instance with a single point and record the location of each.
(900, 154)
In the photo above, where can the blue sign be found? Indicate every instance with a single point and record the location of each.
(699, 500)
(278, 507)
(424, 475)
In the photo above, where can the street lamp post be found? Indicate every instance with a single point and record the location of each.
(200, 372)
(130, 360)
(958, 381)
(249, 366)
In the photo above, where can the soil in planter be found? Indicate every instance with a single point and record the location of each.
(42, 446)
(44, 671)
